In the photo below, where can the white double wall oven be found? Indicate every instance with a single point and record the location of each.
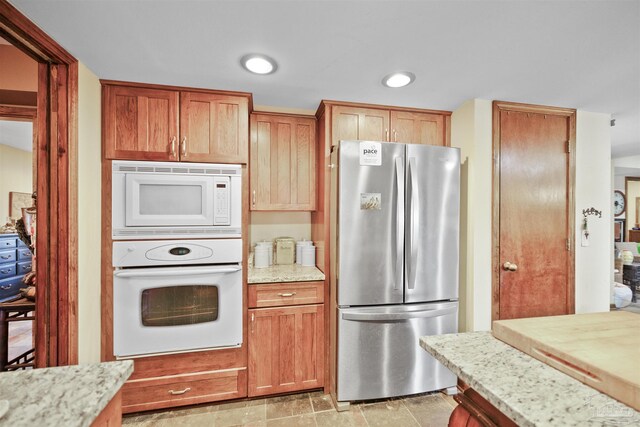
(177, 257)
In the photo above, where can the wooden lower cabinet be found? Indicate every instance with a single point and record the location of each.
(286, 349)
(189, 389)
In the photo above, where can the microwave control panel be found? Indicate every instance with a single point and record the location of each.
(221, 201)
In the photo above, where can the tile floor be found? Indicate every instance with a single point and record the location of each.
(306, 409)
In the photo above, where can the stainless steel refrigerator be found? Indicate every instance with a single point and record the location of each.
(395, 256)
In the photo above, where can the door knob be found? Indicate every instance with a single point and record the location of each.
(507, 266)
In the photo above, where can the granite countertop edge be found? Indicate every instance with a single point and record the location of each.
(525, 389)
(69, 395)
(282, 273)
(515, 415)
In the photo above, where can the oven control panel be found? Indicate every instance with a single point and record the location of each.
(175, 252)
(186, 251)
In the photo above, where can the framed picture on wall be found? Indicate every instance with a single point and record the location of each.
(17, 201)
(618, 230)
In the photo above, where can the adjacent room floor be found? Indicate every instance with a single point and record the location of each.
(20, 338)
(305, 409)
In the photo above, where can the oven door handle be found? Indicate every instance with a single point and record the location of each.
(149, 272)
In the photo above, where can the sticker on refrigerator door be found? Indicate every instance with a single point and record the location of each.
(370, 201)
(370, 153)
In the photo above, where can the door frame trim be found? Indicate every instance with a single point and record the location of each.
(570, 114)
(56, 324)
(628, 227)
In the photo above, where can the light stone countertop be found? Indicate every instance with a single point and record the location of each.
(64, 396)
(528, 391)
(282, 273)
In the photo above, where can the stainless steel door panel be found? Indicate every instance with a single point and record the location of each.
(379, 354)
(370, 235)
(432, 223)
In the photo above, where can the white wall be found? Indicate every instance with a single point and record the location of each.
(471, 131)
(594, 263)
(16, 174)
(89, 215)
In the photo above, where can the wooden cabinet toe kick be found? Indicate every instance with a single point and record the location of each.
(188, 389)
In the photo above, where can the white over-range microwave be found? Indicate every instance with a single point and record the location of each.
(154, 200)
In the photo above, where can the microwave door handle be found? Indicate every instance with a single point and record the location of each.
(399, 221)
(149, 272)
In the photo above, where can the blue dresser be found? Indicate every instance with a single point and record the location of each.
(15, 262)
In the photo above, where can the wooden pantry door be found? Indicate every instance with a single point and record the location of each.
(533, 205)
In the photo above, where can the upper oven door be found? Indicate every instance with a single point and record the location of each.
(169, 200)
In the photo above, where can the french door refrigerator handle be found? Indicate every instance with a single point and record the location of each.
(399, 316)
(149, 272)
(415, 223)
(399, 221)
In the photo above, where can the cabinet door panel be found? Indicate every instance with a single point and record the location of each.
(417, 128)
(285, 375)
(140, 123)
(286, 347)
(353, 123)
(213, 128)
(282, 163)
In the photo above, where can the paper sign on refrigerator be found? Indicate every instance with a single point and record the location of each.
(370, 153)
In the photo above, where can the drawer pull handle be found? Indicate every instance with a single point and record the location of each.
(5, 256)
(5, 287)
(175, 393)
(288, 294)
(5, 271)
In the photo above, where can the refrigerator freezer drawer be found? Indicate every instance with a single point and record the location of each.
(379, 355)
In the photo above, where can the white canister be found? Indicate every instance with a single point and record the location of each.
(261, 257)
(269, 246)
(299, 245)
(308, 256)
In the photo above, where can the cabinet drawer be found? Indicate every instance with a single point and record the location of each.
(24, 254)
(279, 294)
(188, 389)
(7, 270)
(8, 243)
(24, 267)
(8, 256)
(10, 287)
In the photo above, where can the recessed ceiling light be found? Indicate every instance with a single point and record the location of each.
(399, 79)
(259, 64)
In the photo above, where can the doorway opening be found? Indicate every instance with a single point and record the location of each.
(55, 182)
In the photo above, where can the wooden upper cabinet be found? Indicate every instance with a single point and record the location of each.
(166, 123)
(283, 162)
(140, 123)
(213, 128)
(418, 128)
(353, 123)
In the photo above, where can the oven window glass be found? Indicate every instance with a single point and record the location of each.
(179, 305)
(161, 199)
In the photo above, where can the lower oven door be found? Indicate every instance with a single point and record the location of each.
(160, 310)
